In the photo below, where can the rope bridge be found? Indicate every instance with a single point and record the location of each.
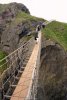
(19, 80)
(26, 88)
(15, 64)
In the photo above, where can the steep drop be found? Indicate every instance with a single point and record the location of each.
(52, 73)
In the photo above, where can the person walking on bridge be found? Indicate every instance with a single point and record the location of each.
(38, 28)
(43, 25)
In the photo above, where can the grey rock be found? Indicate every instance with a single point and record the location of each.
(52, 72)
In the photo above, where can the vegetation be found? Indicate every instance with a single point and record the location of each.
(24, 17)
(28, 37)
(3, 7)
(57, 31)
(2, 55)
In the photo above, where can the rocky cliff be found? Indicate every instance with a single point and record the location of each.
(15, 23)
(52, 83)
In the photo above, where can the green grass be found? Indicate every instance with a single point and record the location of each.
(3, 7)
(27, 38)
(2, 55)
(26, 16)
(23, 17)
(57, 31)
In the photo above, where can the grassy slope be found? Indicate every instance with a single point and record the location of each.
(24, 17)
(2, 55)
(57, 31)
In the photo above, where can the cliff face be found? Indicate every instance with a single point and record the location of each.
(53, 72)
(15, 22)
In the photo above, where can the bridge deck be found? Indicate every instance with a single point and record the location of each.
(22, 88)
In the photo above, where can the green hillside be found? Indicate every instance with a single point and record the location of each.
(57, 31)
(26, 18)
